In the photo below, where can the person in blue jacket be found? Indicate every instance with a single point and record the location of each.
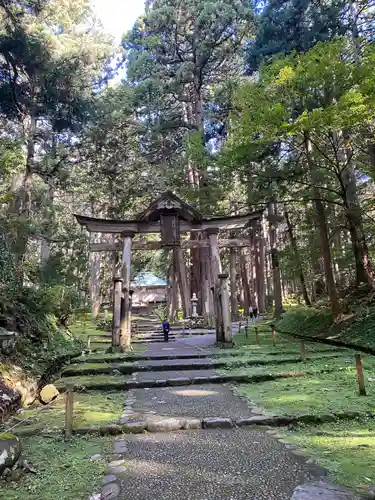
(166, 328)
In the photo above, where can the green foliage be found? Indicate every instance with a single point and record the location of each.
(345, 448)
(298, 395)
(90, 409)
(306, 321)
(75, 477)
(284, 26)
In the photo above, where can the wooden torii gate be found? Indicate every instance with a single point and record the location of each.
(170, 216)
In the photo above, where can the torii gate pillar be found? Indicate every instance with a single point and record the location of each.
(126, 323)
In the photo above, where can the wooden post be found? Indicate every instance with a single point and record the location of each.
(233, 283)
(303, 350)
(116, 320)
(360, 376)
(273, 336)
(172, 299)
(125, 338)
(89, 343)
(206, 299)
(257, 335)
(69, 411)
(215, 272)
(227, 324)
(217, 314)
(182, 280)
(214, 253)
(95, 284)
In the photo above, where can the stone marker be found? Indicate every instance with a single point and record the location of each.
(48, 394)
(10, 451)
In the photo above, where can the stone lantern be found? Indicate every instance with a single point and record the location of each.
(194, 303)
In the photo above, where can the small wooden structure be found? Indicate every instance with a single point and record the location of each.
(172, 217)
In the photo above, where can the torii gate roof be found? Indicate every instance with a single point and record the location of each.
(149, 220)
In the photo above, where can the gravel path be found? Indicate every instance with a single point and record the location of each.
(214, 464)
(195, 401)
(210, 464)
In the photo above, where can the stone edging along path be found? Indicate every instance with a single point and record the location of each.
(167, 424)
(127, 370)
(183, 381)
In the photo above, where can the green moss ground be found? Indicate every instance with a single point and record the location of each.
(346, 448)
(91, 409)
(85, 367)
(87, 380)
(64, 470)
(317, 393)
(356, 327)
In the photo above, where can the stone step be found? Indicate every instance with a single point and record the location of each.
(161, 366)
(161, 357)
(183, 381)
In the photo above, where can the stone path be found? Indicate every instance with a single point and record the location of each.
(213, 463)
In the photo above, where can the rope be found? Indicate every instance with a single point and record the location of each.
(37, 410)
(336, 343)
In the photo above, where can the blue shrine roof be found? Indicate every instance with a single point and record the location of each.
(146, 278)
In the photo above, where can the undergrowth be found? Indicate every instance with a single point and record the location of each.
(357, 327)
(63, 469)
(345, 448)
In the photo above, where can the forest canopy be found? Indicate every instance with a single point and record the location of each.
(233, 105)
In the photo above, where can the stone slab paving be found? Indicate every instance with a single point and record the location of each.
(216, 464)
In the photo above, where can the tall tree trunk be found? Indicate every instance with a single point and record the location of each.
(260, 267)
(293, 242)
(21, 188)
(45, 249)
(275, 260)
(323, 230)
(363, 267)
